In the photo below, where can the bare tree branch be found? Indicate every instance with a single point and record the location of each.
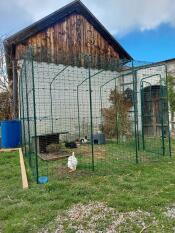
(5, 97)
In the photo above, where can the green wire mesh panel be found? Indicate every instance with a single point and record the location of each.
(118, 118)
(153, 113)
(28, 113)
(106, 111)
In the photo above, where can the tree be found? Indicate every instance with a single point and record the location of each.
(171, 92)
(116, 117)
(5, 95)
(171, 97)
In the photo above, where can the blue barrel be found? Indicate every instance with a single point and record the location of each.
(10, 134)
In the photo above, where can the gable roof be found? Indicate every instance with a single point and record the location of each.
(74, 7)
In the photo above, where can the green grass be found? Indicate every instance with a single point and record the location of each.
(149, 187)
(107, 158)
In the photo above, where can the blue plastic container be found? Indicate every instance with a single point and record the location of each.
(43, 180)
(10, 134)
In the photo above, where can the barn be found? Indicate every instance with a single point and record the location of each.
(73, 82)
(72, 29)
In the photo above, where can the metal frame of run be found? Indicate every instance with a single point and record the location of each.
(142, 101)
(97, 98)
(162, 95)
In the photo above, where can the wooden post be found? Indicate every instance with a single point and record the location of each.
(23, 170)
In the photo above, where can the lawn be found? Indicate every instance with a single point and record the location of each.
(107, 158)
(135, 198)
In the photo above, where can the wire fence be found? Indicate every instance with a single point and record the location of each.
(106, 111)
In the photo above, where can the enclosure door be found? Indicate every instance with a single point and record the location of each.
(154, 118)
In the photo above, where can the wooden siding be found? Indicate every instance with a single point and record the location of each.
(72, 37)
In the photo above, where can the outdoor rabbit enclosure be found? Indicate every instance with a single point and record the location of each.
(107, 111)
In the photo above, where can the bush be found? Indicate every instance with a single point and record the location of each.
(5, 106)
(116, 117)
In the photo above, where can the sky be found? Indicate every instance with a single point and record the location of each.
(145, 28)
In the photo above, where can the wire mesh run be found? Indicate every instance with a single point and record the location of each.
(105, 111)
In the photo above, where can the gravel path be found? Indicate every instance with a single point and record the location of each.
(170, 212)
(97, 217)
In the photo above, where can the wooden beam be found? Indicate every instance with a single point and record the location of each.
(8, 150)
(23, 170)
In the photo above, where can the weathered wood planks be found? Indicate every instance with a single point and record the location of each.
(73, 36)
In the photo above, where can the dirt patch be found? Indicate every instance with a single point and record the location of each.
(83, 150)
(53, 156)
(99, 151)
